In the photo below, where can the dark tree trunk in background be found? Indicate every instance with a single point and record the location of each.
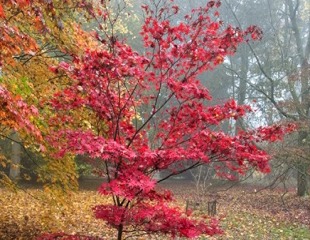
(15, 158)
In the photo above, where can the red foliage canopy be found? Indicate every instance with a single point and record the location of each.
(156, 116)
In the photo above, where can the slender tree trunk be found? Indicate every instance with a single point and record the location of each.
(304, 112)
(120, 232)
(242, 90)
(16, 158)
(242, 83)
(302, 167)
(302, 181)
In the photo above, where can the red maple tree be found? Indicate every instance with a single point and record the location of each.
(152, 114)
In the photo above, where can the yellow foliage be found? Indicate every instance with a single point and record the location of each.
(29, 47)
(34, 44)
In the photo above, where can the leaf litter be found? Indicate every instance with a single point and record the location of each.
(243, 213)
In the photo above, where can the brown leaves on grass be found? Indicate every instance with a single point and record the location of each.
(27, 214)
(244, 214)
(248, 214)
(288, 207)
(283, 207)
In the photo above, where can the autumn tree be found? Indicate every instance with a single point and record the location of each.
(130, 94)
(36, 35)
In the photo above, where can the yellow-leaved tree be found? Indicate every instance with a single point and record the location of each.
(38, 35)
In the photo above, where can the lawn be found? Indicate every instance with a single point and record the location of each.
(244, 213)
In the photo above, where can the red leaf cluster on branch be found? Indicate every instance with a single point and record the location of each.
(156, 218)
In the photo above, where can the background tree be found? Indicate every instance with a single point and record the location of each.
(36, 35)
(278, 77)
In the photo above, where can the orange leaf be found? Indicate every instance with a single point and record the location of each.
(1, 12)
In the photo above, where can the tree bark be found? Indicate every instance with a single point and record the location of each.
(302, 183)
(303, 55)
(120, 232)
(302, 167)
(242, 83)
(243, 78)
(16, 158)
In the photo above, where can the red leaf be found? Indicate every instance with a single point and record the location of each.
(2, 15)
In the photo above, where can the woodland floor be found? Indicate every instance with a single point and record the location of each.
(244, 212)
